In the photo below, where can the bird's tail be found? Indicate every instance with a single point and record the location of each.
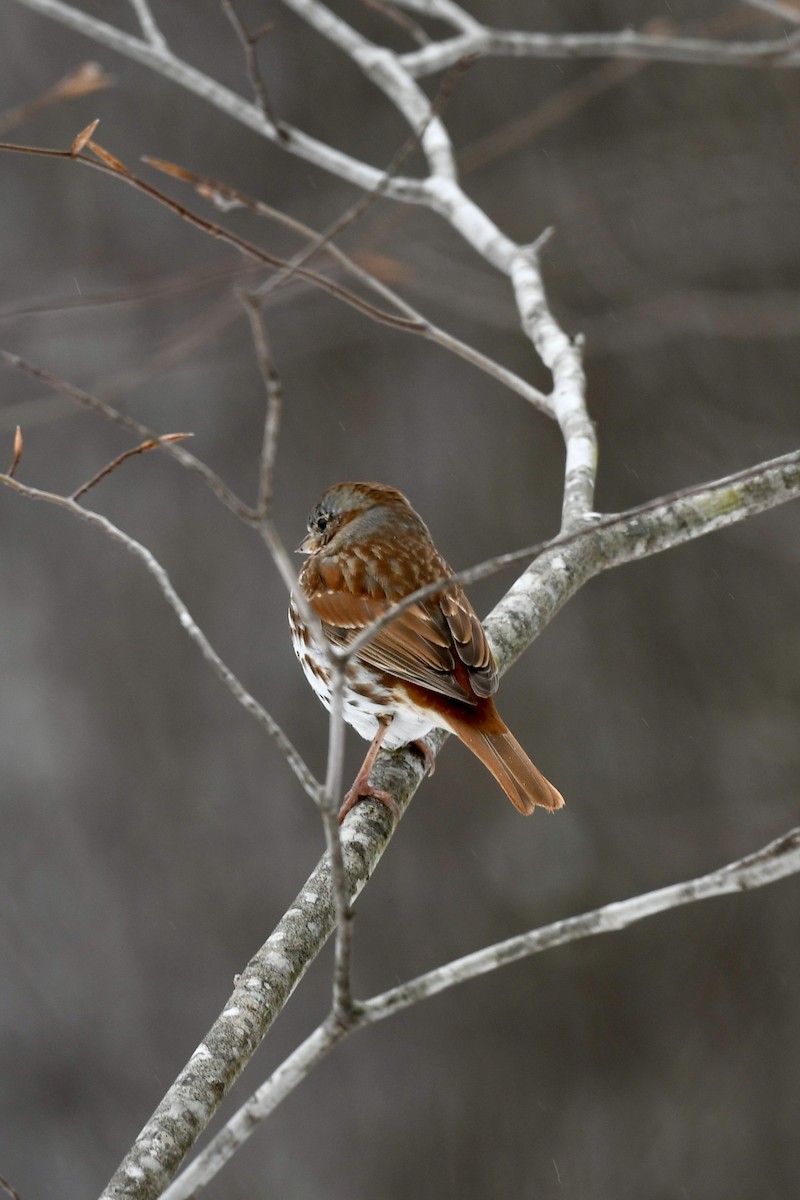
(492, 742)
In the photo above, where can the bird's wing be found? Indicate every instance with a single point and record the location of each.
(438, 643)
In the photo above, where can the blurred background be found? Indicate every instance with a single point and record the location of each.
(151, 836)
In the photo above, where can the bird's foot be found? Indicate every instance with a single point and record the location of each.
(361, 790)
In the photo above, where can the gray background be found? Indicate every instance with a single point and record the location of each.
(151, 836)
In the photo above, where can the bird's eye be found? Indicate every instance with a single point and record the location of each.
(322, 524)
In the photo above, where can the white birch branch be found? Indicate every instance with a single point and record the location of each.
(383, 68)
(520, 263)
(148, 25)
(775, 861)
(779, 859)
(438, 56)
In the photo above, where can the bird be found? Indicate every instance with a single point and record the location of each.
(429, 668)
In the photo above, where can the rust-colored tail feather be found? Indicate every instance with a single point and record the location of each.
(488, 737)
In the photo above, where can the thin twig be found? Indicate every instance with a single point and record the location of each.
(213, 188)
(274, 407)
(163, 285)
(406, 23)
(249, 42)
(87, 400)
(357, 210)
(249, 516)
(110, 166)
(342, 1002)
(773, 862)
(142, 448)
(190, 626)
(563, 356)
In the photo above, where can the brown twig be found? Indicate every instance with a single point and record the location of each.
(142, 448)
(401, 19)
(111, 166)
(164, 285)
(249, 42)
(214, 190)
(86, 400)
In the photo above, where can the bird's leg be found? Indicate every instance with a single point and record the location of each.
(361, 789)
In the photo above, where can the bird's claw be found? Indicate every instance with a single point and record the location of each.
(365, 792)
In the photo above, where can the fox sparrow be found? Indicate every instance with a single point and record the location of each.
(430, 668)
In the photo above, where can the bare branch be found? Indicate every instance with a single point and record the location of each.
(442, 193)
(280, 1084)
(342, 1002)
(384, 70)
(211, 188)
(142, 448)
(357, 210)
(113, 167)
(775, 861)
(443, 10)
(564, 357)
(274, 394)
(149, 27)
(329, 159)
(86, 400)
(778, 52)
(188, 624)
(249, 42)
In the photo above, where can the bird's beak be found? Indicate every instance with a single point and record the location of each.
(307, 546)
